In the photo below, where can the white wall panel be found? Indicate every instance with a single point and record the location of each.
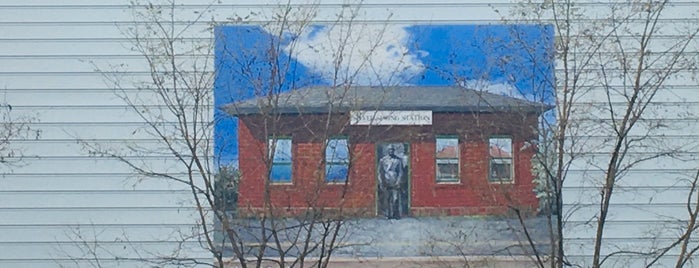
(636, 195)
(669, 94)
(376, 11)
(38, 233)
(584, 211)
(81, 31)
(64, 49)
(58, 98)
(89, 182)
(28, 251)
(86, 164)
(90, 114)
(96, 199)
(73, 216)
(48, 149)
(685, 126)
(651, 177)
(598, 162)
(109, 131)
(82, 64)
(619, 229)
(628, 248)
(53, 81)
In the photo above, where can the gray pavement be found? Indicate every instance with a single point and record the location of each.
(442, 236)
(413, 237)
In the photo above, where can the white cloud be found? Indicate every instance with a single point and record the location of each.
(373, 54)
(504, 89)
(359, 54)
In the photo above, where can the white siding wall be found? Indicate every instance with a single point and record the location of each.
(60, 191)
(649, 206)
(61, 203)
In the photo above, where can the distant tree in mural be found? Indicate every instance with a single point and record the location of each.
(226, 188)
(611, 68)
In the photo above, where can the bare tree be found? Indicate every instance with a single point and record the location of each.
(175, 103)
(319, 225)
(611, 52)
(13, 127)
(613, 62)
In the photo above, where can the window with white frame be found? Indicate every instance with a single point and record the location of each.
(280, 153)
(501, 158)
(336, 160)
(447, 159)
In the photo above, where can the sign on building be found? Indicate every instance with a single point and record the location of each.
(405, 118)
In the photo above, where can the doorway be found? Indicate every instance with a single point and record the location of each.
(393, 180)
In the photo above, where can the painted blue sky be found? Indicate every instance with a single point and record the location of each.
(513, 60)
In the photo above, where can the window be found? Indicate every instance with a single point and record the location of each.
(280, 152)
(500, 159)
(336, 160)
(447, 159)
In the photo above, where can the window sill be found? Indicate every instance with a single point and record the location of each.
(501, 182)
(449, 185)
(291, 183)
(341, 183)
(457, 182)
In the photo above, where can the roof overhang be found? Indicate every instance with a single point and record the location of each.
(321, 100)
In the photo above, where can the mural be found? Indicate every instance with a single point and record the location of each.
(512, 60)
(506, 60)
(418, 169)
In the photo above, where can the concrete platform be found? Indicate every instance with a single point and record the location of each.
(415, 262)
(457, 241)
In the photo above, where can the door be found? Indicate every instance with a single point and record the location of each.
(393, 180)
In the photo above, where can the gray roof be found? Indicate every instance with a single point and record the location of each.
(343, 99)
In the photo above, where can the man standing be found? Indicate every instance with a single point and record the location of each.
(390, 181)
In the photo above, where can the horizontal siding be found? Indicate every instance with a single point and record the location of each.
(60, 251)
(97, 199)
(634, 195)
(649, 206)
(103, 165)
(621, 229)
(653, 177)
(123, 182)
(88, 216)
(66, 49)
(113, 132)
(47, 52)
(96, 114)
(60, 196)
(623, 211)
(85, 261)
(39, 233)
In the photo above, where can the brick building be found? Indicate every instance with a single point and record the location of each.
(454, 151)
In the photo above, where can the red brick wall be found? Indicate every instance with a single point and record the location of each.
(473, 194)
(308, 188)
